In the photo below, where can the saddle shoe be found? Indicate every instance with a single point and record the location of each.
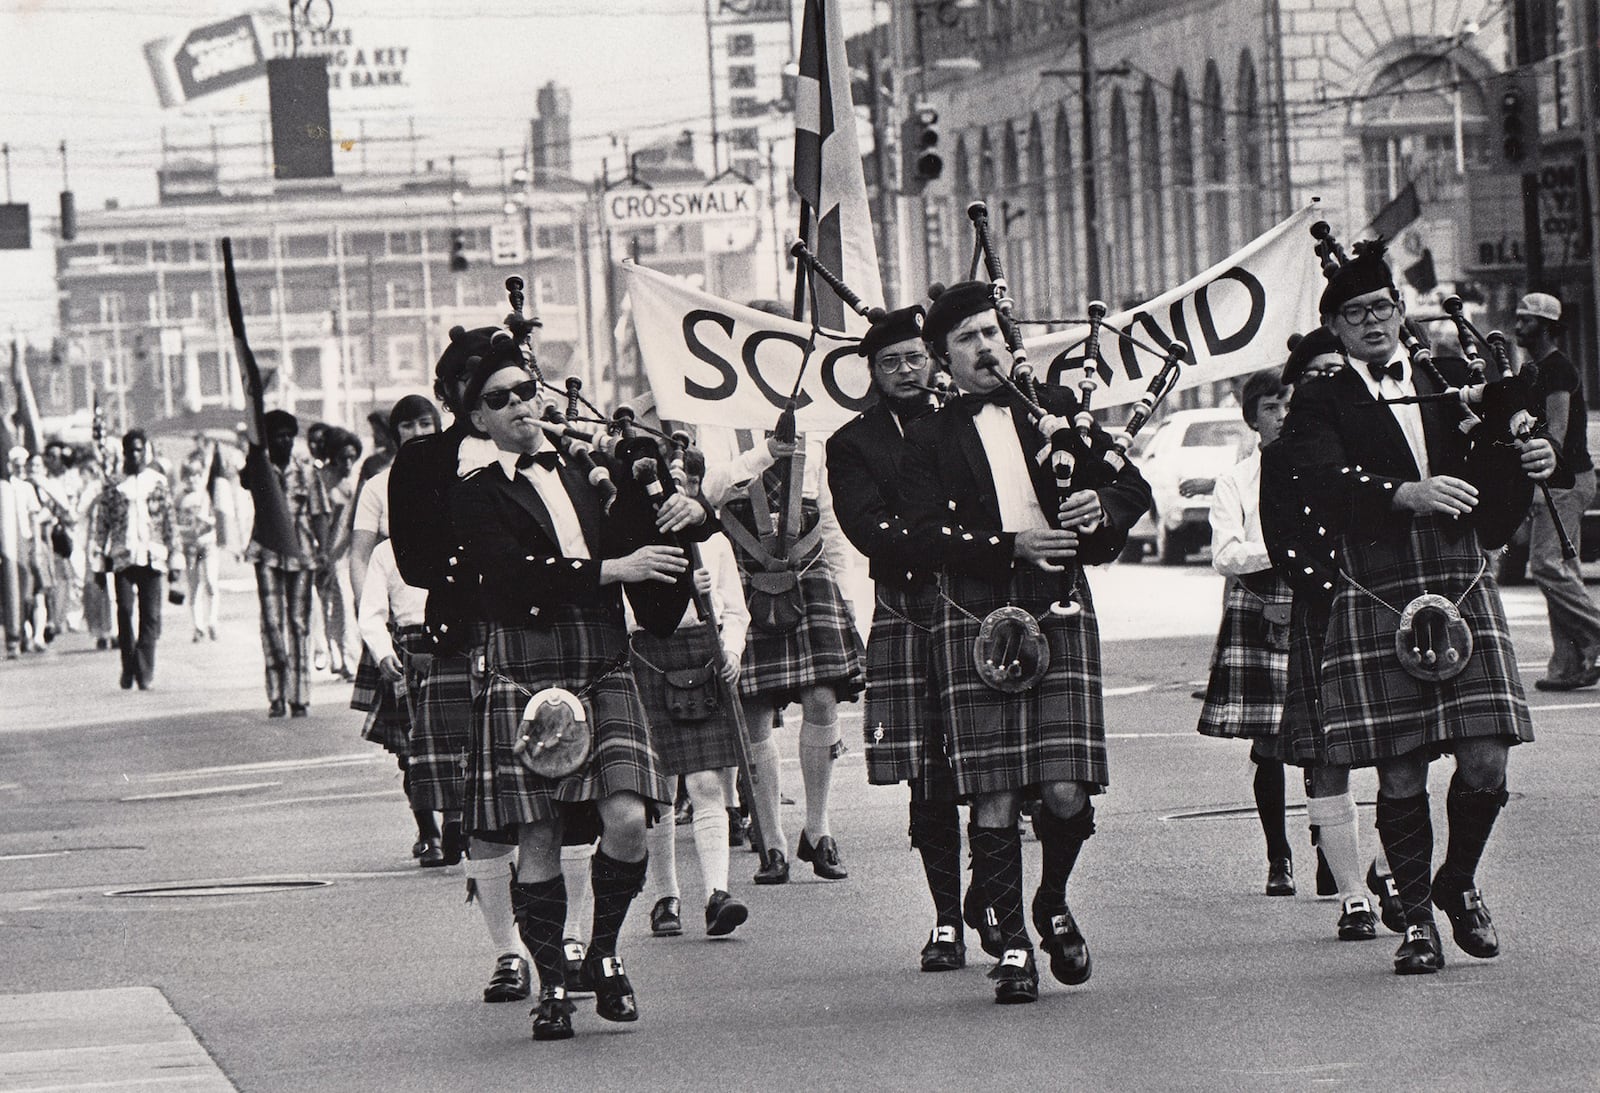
(1420, 953)
(552, 1017)
(1016, 978)
(981, 917)
(823, 856)
(510, 981)
(1059, 936)
(1470, 923)
(945, 951)
(613, 994)
(1356, 920)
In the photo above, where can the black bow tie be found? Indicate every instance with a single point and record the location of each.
(977, 400)
(547, 459)
(1393, 369)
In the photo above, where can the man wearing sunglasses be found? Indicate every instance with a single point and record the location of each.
(1407, 503)
(548, 560)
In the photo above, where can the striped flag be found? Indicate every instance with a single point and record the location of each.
(827, 166)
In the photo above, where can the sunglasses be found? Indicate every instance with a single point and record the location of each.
(500, 398)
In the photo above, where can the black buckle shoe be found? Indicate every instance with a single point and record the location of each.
(665, 921)
(431, 857)
(510, 982)
(981, 918)
(1420, 953)
(1356, 921)
(774, 868)
(577, 969)
(1016, 978)
(823, 856)
(724, 914)
(1392, 911)
(1280, 877)
(945, 951)
(613, 994)
(1470, 923)
(1060, 937)
(552, 1017)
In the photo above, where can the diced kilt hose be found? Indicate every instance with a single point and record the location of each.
(442, 731)
(570, 647)
(1054, 732)
(683, 747)
(1249, 678)
(903, 720)
(389, 716)
(824, 650)
(1352, 704)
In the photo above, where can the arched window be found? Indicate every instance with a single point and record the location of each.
(1009, 215)
(1182, 128)
(1066, 190)
(1408, 131)
(1214, 153)
(1152, 216)
(1252, 152)
(1122, 242)
(986, 172)
(1038, 222)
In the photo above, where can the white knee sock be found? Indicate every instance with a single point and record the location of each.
(661, 867)
(710, 829)
(764, 766)
(817, 743)
(580, 896)
(1335, 818)
(491, 886)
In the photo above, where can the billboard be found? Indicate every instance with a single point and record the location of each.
(207, 59)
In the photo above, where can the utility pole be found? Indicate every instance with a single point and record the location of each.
(1091, 204)
(711, 89)
(888, 184)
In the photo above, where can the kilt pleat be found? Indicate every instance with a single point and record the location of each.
(824, 650)
(903, 722)
(1245, 692)
(1054, 732)
(1370, 708)
(682, 747)
(569, 648)
(388, 721)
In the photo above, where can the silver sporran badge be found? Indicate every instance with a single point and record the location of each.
(1433, 641)
(1011, 652)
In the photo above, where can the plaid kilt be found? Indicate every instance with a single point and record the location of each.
(441, 734)
(1053, 733)
(369, 683)
(570, 648)
(683, 747)
(824, 650)
(388, 720)
(902, 721)
(1368, 707)
(1244, 696)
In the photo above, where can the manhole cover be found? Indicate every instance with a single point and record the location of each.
(219, 888)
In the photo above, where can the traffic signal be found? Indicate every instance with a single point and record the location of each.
(1514, 105)
(458, 250)
(69, 216)
(923, 163)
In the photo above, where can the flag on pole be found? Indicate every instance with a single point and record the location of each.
(274, 527)
(827, 166)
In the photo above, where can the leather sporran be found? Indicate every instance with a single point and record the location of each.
(691, 693)
(556, 736)
(1275, 626)
(1011, 652)
(1433, 641)
(776, 606)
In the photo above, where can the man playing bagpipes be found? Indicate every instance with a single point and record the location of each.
(1020, 682)
(1405, 653)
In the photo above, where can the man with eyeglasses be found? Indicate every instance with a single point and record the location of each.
(901, 722)
(548, 560)
(1403, 504)
(983, 507)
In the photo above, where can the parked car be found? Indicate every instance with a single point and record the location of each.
(1181, 461)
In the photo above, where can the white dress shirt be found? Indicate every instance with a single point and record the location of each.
(1408, 416)
(557, 502)
(386, 598)
(372, 505)
(1019, 505)
(1237, 545)
(145, 547)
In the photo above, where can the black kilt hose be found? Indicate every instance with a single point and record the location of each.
(1369, 708)
(1054, 732)
(1249, 678)
(570, 647)
(388, 722)
(903, 719)
(684, 745)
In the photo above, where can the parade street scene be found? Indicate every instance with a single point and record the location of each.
(799, 545)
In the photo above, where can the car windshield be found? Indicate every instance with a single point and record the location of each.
(1214, 434)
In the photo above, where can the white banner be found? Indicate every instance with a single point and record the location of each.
(713, 362)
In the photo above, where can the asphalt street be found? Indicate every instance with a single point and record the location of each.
(368, 977)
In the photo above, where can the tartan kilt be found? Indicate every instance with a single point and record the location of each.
(902, 722)
(369, 683)
(823, 651)
(1370, 708)
(441, 735)
(388, 721)
(1249, 678)
(570, 648)
(683, 747)
(1052, 733)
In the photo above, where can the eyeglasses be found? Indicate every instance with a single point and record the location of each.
(1380, 310)
(500, 398)
(908, 363)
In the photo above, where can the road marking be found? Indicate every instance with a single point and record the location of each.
(1149, 735)
(36, 854)
(1138, 689)
(213, 791)
(1568, 706)
(279, 801)
(373, 756)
